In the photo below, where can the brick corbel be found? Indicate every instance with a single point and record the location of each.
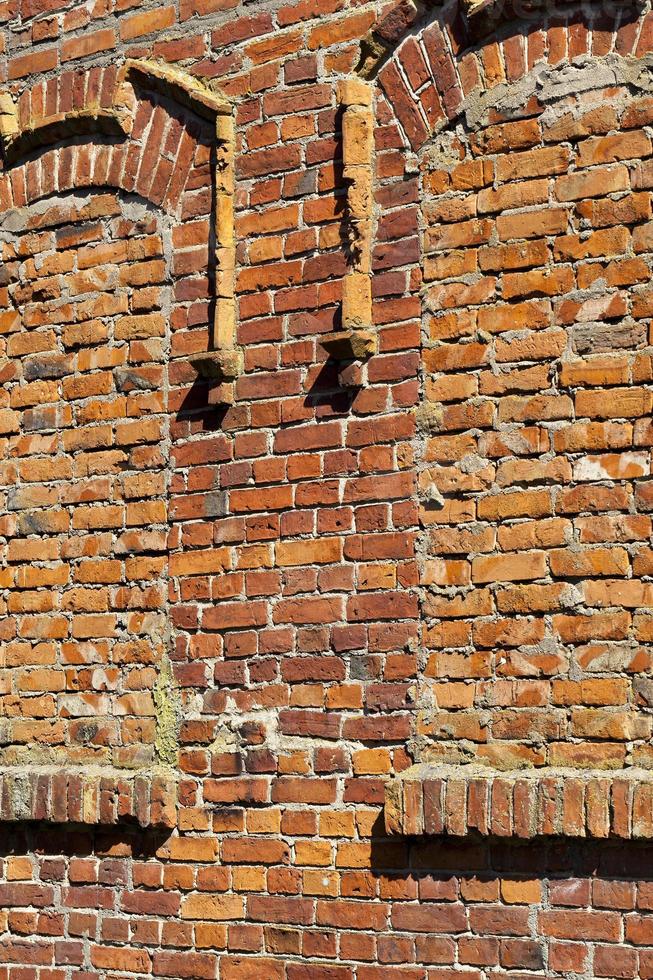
(357, 339)
(99, 796)
(458, 801)
(222, 364)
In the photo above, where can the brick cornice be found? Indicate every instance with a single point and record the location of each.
(457, 801)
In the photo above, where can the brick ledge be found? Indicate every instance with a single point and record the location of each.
(461, 800)
(93, 795)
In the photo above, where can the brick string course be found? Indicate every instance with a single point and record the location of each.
(286, 602)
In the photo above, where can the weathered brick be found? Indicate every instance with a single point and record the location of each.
(286, 586)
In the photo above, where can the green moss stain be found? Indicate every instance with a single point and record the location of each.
(167, 704)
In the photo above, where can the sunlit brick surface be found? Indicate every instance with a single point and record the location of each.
(236, 607)
(84, 481)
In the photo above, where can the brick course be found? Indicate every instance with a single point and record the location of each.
(276, 549)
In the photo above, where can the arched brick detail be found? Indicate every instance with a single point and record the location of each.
(432, 73)
(520, 96)
(138, 143)
(70, 91)
(145, 131)
(57, 171)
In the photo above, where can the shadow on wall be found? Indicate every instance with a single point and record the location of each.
(559, 857)
(77, 841)
(325, 391)
(197, 408)
(551, 906)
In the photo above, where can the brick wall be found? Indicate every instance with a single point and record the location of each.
(257, 573)
(538, 378)
(85, 479)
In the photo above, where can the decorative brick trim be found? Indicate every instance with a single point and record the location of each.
(100, 796)
(223, 363)
(456, 801)
(357, 340)
(185, 89)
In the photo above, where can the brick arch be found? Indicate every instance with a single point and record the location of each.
(125, 130)
(69, 167)
(138, 136)
(432, 74)
(70, 91)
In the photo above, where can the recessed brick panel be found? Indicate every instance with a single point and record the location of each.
(84, 480)
(536, 458)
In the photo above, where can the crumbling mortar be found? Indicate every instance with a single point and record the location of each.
(168, 715)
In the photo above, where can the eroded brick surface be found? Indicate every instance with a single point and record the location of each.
(85, 481)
